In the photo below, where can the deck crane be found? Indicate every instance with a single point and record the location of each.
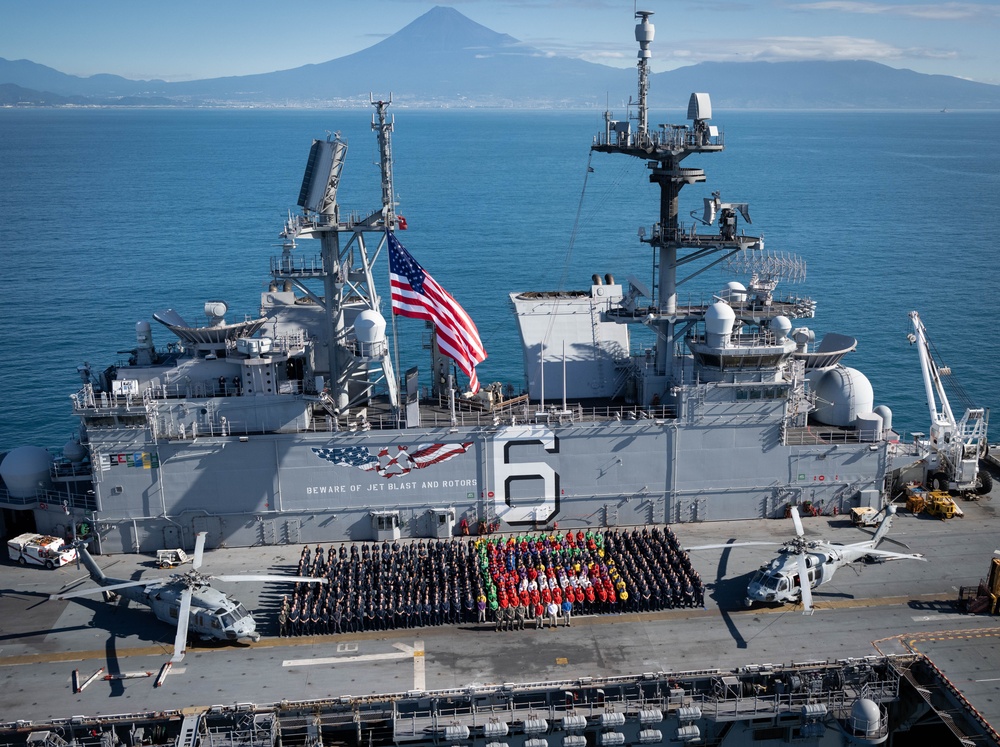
(952, 451)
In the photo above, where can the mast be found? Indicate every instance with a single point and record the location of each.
(664, 148)
(644, 35)
(383, 127)
(357, 357)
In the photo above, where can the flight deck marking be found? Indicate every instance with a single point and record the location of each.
(344, 659)
(416, 651)
(419, 672)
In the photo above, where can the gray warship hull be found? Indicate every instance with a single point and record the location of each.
(283, 488)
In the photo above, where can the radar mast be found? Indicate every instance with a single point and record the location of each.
(663, 148)
(358, 357)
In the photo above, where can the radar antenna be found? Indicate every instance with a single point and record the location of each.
(767, 265)
(644, 35)
(766, 269)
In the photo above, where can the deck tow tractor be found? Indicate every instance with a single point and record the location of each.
(952, 451)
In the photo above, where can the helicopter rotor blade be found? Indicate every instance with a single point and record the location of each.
(99, 589)
(895, 555)
(199, 549)
(896, 542)
(732, 544)
(265, 577)
(807, 600)
(183, 617)
(797, 520)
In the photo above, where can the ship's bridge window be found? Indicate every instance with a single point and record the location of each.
(739, 362)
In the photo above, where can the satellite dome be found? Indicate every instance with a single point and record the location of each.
(74, 451)
(735, 292)
(781, 326)
(866, 717)
(369, 326)
(719, 319)
(719, 322)
(842, 394)
(25, 470)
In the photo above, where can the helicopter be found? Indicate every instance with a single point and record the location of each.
(815, 560)
(186, 600)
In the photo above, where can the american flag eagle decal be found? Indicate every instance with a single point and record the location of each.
(388, 462)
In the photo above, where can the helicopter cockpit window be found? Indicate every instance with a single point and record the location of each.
(783, 586)
(769, 582)
(241, 612)
(227, 620)
(215, 622)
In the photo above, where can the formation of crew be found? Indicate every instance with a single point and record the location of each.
(505, 580)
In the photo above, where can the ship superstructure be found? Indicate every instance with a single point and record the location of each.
(294, 426)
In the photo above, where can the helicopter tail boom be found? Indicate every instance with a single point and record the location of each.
(93, 568)
(884, 526)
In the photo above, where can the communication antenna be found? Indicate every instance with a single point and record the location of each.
(767, 266)
(766, 269)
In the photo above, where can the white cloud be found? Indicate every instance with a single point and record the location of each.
(789, 48)
(928, 12)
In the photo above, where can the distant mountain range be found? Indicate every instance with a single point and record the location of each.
(444, 59)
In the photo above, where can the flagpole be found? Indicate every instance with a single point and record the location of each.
(541, 365)
(564, 376)
(400, 372)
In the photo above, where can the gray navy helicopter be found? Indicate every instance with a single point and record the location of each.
(815, 560)
(186, 600)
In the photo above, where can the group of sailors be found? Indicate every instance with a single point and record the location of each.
(504, 580)
(588, 573)
(382, 586)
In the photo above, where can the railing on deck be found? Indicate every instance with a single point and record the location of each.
(44, 498)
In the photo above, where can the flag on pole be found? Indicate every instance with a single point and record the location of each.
(417, 295)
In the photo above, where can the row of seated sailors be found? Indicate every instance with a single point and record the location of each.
(394, 613)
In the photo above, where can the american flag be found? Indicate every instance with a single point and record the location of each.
(390, 462)
(417, 295)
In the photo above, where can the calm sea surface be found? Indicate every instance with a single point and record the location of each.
(108, 216)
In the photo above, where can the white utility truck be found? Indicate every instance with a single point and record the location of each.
(40, 549)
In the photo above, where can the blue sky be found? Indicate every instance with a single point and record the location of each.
(186, 40)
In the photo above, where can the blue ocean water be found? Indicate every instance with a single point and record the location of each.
(108, 216)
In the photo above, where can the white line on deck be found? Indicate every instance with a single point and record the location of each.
(416, 651)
